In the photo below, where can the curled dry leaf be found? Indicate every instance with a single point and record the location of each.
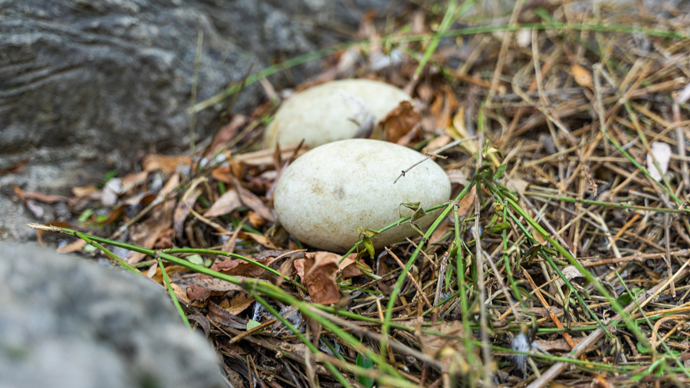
(180, 293)
(165, 163)
(443, 348)
(239, 267)
(133, 180)
(72, 247)
(224, 317)
(45, 198)
(350, 267)
(147, 233)
(318, 271)
(239, 303)
(570, 273)
(458, 131)
(199, 293)
(252, 201)
(226, 133)
(223, 174)
(465, 205)
(226, 204)
(182, 209)
(265, 157)
(86, 191)
(662, 154)
(582, 76)
(399, 121)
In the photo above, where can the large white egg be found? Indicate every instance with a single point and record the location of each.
(332, 111)
(325, 195)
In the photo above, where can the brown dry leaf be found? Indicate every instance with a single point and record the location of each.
(169, 186)
(45, 198)
(465, 205)
(458, 131)
(72, 247)
(350, 267)
(133, 180)
(399, 121)
(157, 276)
(86, 191)
(239, 267)
(559, 345)
(165, 239)
(212, 284)
(180, 293)
(226, 133)
(14, 168)
(457, 177)
(252, 201)
(256, 220)
(265, 157)
(113, 216)
(263, 240)
(222, 174)
(226, 204)
(165, 163)
(438, 142)
(199, 293)
(224, 317)
(321, 269)
(582, 76)
(239, 303)
(147, 233)
(182, 209)
(440, 232)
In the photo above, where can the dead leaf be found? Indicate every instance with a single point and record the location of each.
(165, 163)
(240, 302)
(212, 284)
(458, 131)
(182, 209)
(465, 205)
(74, 246)
(147, 233)
(570, 273)
(45, 198)
(320, 270)
(662, 154)
(265, 157)
(199, 293)
(86, 191)
(222, 174)
(399, 121)
(350, 267)
(457, 177)
(224, 317)
(256, 220)
(180, 293)
(239, 267)
(252, 201)
(113, 216)
(133, 180)
(226, 204)
(437, 143)
(263, 240)
(226, 133)
(582, 76)
(14, 168)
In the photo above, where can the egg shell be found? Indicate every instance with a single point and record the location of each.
(325, 113)
(327, 193)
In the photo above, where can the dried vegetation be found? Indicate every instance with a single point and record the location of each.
(562, 256)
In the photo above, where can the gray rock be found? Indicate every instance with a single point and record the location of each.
(84, 85)
(70, 323)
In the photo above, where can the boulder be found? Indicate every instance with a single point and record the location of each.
(85, 85)
(66, 322)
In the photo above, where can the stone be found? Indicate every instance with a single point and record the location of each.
(333, 111)
(66, 322)
(325, 195)
(86, 85)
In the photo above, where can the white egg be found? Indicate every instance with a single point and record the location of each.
(325, 195)
(331, 112)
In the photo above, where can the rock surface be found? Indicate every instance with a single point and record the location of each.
(325, 195)
(84, 85)
(69, 323)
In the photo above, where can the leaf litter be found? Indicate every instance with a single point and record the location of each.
(571, 191)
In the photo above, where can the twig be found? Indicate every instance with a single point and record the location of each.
(429, 155)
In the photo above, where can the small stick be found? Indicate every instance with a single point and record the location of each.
(429, 155)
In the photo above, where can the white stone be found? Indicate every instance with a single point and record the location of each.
(331, 112)
(327, 193)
